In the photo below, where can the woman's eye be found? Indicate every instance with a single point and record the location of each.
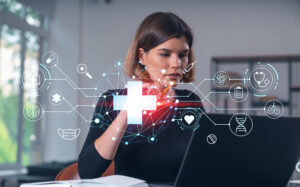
(164, 54)
(182, 55)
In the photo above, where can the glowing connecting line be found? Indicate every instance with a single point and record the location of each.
(134, 102)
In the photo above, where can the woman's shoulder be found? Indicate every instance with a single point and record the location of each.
(113, 92)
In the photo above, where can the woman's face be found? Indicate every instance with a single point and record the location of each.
(166, 62)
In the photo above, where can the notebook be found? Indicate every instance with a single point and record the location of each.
(108, 181)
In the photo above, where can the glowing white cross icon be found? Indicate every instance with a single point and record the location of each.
(134, 102)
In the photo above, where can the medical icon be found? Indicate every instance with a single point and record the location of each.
(69, 134)
(134, 102)
(56, 97)
(50, 59)
(259, 78)
(211, 139)
(82, 69)
(238, 92)
(189, 68)
(241, 121)
(32, 80)
(35, 79)
(240, 124)
(221, 78)
(189, 119)
(273, 109)
(33, 112)
(262, 79)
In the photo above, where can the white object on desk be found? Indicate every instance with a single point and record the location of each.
(294, 181)
(109, 181)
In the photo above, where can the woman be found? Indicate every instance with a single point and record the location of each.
(160, 56)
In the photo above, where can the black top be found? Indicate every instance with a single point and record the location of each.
(136, 157)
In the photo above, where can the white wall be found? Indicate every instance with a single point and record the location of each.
(232, 27)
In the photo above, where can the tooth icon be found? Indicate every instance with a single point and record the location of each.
(68, 134)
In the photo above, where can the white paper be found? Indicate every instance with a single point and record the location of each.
(119, 180)
(109, 181)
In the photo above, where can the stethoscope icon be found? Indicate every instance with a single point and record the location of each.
(82, 69)
(259, 78)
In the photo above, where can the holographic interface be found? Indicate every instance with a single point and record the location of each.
(147, 118)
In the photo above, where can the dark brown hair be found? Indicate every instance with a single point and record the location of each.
(154, 30)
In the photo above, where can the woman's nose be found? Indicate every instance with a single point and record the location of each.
(175, 62)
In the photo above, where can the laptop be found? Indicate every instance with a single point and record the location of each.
(265, 157)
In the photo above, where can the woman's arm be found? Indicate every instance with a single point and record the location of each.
(108, 143)
(100, 147)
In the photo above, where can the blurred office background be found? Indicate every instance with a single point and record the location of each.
(98, 33)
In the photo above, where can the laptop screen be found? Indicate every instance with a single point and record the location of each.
(266, 156)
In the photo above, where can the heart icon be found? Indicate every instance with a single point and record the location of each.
(189, 118)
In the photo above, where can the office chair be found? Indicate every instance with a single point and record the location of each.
(71, 172)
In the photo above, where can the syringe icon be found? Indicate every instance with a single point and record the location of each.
(188, 67)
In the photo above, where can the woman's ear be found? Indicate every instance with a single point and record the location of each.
(142, 54)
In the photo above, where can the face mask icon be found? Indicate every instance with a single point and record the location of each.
(68, 134)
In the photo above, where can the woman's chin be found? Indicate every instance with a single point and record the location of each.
(169, 83)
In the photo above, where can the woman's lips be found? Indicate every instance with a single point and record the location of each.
(174, 76)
